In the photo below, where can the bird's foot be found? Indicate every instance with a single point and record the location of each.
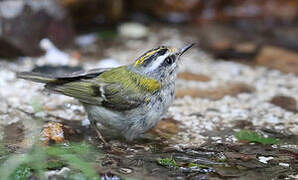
(99, 134)
(101, 137)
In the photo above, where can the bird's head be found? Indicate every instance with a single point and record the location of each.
(160, 63)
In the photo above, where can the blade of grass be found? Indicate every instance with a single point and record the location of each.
(251, 136)
(81, 165)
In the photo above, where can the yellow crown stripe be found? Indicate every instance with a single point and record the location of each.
(142, 58)
(172, 50)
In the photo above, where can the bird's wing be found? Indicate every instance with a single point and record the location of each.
(91, 88)
(82, 90)
(118, 97)
(77, 84)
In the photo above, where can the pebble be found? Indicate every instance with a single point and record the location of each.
(86, 39)
(125, 170)
(53, 55)
(3, 107)
(86, 122)
(264, 159)
(60, 173)
(133, 30)
(284, 164)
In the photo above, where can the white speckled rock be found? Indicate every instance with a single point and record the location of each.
(195, 114)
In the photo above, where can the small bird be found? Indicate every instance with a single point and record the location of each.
(129, 99)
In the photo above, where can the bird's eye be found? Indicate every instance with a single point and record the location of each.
(170, 60)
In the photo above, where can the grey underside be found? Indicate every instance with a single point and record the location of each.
(134, 122)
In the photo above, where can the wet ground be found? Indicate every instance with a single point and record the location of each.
(229, 120)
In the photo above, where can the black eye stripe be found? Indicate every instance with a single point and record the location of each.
(169, 60)
(161, 52)
(153, 57)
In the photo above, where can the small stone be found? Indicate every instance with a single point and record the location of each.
(86, 122)
(284, 164)
(133, 30)
(14, 133)
(193, 77)
(220, 45)
(125, 170)
(278, 58)
(246, 47)
(231, 89)
(264, 159)
(285, 102)
(86, 39)
(60, 173)
(272, 119)
(294, 176)
(166, 127)
(3, 108)
(294, 130)
(53, 55)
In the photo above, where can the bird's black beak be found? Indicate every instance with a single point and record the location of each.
(184, 49)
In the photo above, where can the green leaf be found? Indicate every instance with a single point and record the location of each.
(168, 162)
(21, 173)
(55, 164)
(250, 136)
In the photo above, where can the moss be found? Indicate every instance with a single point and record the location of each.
(41, 158)
(168, 162)
(250, 136)
(53, 164)
(3, 150)
(171, 163)
(22, 173)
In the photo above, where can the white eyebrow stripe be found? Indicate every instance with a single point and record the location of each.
(158, 62)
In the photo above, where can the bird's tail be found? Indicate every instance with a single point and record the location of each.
(86, 92)
(36, 77)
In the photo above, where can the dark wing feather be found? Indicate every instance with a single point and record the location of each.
(83, 74)
(60, 79)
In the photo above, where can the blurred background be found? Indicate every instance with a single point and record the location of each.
(228, 29)
(235, 112)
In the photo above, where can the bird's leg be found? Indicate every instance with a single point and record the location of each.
(94, 126)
